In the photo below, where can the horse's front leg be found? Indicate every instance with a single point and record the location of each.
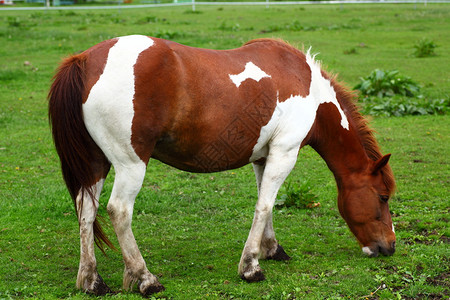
(88, 279)
(270, 249)
(127, 184)
(278, 165)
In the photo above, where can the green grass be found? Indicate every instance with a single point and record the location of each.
(191, 228)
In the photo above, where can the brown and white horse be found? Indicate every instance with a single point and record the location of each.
(133, 98)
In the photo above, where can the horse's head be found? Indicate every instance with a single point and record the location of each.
(363, 203)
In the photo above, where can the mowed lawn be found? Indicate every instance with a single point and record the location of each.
(191, 228)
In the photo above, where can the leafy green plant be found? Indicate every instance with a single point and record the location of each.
(298, 196)
(387, 93)
(424, 48)
(400, 106)
(387, 84)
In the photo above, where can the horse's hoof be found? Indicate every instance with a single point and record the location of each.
(151, 289)
(100, 288)
(279, 254)
(254, 277)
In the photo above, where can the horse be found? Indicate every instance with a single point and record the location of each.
(132, 98)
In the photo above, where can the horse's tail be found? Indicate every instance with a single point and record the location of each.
(76, 149)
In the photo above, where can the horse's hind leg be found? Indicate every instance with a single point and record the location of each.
(88, 279)
(270, 249)
(128, 182)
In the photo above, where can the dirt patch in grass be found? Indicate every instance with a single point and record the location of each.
(441, 279)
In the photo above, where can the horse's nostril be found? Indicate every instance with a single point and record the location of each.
(393, 245)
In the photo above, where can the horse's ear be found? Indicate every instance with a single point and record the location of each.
(380, 163)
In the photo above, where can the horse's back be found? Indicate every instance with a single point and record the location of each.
(196, 109)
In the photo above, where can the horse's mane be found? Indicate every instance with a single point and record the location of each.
(347, 98)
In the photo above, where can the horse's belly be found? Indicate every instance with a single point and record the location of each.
(230, 149)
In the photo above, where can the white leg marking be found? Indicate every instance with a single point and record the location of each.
(279, 164)
(108, 111)
(259, 171)
(127, 183)
(251, 71)
(87, 272)
(268, 243)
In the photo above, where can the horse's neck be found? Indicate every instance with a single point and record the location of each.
(341, 148)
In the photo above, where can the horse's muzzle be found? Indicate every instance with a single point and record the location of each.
(375, 249)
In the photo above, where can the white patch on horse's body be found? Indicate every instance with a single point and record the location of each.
(108, 111)
(322, 90)
(108, 115)
(251, 71)
(297, 112)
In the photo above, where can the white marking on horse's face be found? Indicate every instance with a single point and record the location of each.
(251, 71)
(367, 251)
(393, 229)
(108, 111)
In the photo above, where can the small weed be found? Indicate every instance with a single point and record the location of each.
(167, 34)
(225, 27)
(271, 28)
(14, 22)
(36, 15)
(298, 196)
(424, 48)
(67, 13)
(350, 51)
(4, 120)
(118, 20)
(298, 26)
(293, 26)
(192, 12)
(150, 19)
(11, 74)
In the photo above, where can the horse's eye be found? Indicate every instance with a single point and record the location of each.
(384, 198)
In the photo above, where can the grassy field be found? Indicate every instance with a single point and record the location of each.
(191, 228)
